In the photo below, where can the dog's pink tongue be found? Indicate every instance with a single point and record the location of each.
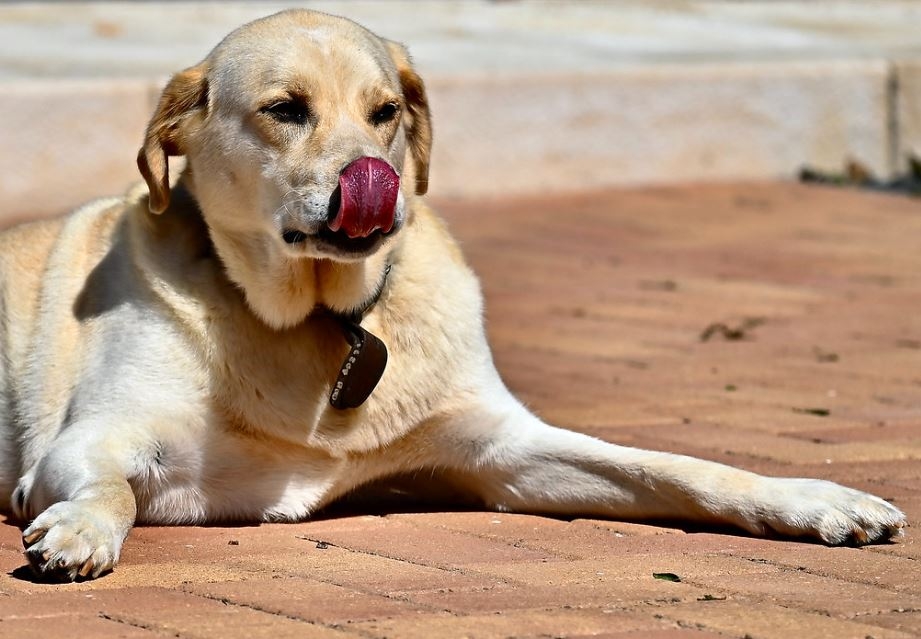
(369, 190)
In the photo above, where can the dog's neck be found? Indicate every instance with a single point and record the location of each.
(284, 291)
(358, 313)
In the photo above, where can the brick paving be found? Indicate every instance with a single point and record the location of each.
(596, 307)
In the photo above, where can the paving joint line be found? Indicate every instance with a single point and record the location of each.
(443, 568)
(518, 544)
(429, 608)
(136, 624)
(880, 551)
(899, 610)
(697, 625)
(702, 627)
(407, 599)
(372, 593)
(831, 615)
(239, 604)
(817, 573)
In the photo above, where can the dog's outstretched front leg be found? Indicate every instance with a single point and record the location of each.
(82, 504)
(516, 462)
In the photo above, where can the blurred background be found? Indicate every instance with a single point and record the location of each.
(527, 96)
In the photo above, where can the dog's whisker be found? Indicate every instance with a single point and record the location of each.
(292, 198)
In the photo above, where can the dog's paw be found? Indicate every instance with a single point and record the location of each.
(828, 512)
(72, 540)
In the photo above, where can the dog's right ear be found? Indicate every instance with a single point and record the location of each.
(418, 117)
(186, 93)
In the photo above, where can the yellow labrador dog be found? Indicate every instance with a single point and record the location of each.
(289, 321)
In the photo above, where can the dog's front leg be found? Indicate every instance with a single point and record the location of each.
(516, 462)
(83, 502)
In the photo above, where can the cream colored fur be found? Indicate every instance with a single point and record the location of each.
(165, 358)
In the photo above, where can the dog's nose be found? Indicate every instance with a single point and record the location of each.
(368, 190)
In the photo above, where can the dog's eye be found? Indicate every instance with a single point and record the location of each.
(385, 114)
(288, 111)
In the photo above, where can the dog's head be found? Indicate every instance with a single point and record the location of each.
(304, 134)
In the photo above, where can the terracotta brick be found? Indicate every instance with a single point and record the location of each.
(76, 626)
(792, 450)
(862, 566)
(698, 541)
(52, 602)
(627, 529)
(771, 622)
(862, 432)
(10, 559)
(676, 633)
(189, 615)
(810, 592)
(610, 592)
(129, 573)
(895, 478)
(402, 541)
(626, 569)
(571, 540)
(834, 269)
(904, 620)
(366, 572)
(11, 556)
(306, 600)
(518, 623)
(907, 546)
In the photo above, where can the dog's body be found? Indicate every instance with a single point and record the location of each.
(176, 366)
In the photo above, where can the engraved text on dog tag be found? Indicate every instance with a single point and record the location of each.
(362, 368)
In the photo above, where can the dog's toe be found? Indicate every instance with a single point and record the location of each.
(831, 513)
(864, 519)
(69, 541)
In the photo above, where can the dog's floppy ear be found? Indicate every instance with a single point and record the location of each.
(186, 92)
(418, 119)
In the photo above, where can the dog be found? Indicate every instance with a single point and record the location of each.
(288, 321)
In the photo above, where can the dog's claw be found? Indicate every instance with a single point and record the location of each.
(829, 512)
(32, 537)
(87, 567)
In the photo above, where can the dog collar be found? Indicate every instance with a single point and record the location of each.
(363, 367)
(358, 314)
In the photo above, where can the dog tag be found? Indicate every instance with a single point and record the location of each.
(362, 368)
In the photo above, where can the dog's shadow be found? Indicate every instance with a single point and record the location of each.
(25, 573)
(397, 503)
(405, 495)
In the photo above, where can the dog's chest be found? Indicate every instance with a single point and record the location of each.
(280, 385)
(276, 383)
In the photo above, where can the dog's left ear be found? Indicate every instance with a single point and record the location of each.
(186, 93)
(418, 119)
